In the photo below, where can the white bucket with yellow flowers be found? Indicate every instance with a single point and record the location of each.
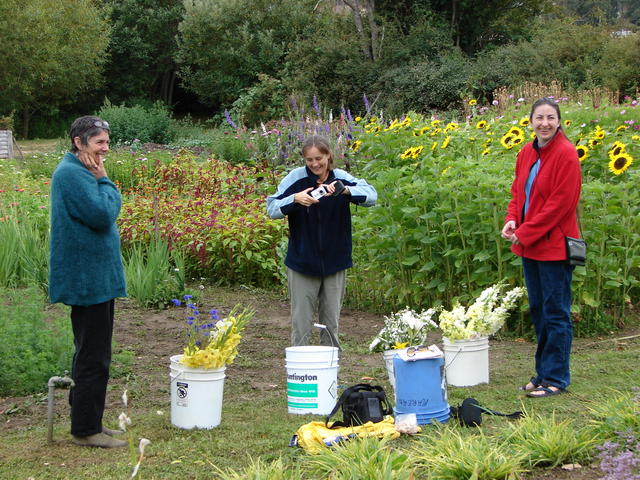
(197, 376)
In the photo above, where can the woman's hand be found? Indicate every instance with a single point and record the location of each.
(304, 199)
(88, 160)
(508, 230)
(93, 163)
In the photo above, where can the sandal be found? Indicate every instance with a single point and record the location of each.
(524, 387)
(544, 391)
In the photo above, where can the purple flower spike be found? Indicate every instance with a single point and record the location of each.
(367, 107)
(214, 314)
(188, 297)
(316, 107)
(227, 116)
(176, 302)
(294, 104)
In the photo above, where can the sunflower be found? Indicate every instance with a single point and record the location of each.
(472, 102)
(422, 131)
(517, 140)
(435, 123)
(446, 141)
(619, 164)
(583, 152)
(622, 127)
(515, 131)
(357, 119)
(407, 153)
(636, 138)
(355, 146)
(616, 149)
(567, 123)
(593, 143)
(482, 124)
(435, 132)
(434, 145)
(485, 151)
(507, 141)
(599, 134)
(524, 122)
(451, 127)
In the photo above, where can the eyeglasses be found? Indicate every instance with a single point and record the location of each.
(411, 351)
(101, 124)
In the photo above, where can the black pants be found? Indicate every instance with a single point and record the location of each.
(92, 332)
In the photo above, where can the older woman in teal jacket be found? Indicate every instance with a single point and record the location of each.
(86, 271)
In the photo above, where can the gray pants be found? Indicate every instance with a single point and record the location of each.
(308, 294)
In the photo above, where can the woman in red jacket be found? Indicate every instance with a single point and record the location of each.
(542, 211)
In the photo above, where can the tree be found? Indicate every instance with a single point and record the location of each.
(52, 52)
(224, 44)
(142, 47)
(364, 17)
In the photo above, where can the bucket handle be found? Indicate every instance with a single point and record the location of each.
(454, 358)
(331, 337)
(174, 377)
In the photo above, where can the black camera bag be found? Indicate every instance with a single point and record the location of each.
(360, 404)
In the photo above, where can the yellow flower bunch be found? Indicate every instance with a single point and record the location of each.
(214, 343)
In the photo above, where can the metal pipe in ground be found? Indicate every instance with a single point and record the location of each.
(53, 383)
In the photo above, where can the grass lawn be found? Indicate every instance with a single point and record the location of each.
(255, 420)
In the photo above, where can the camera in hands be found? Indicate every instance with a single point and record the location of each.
(318, 193)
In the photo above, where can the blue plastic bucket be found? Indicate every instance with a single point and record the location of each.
(421, 389)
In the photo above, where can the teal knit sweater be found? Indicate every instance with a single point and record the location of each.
(85, 266)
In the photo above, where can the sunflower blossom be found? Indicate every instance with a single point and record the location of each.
(619, 164)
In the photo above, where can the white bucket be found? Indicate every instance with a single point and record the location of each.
(388, 361)
(466, 361)
(196, 395)
(312, 379)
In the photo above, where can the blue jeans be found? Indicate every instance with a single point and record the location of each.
(549, 289)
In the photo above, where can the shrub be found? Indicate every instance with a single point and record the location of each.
(32, 347)
(147, 124)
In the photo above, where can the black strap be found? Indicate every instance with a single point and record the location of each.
(513, 416)
(360, 387)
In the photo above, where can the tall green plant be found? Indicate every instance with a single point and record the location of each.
(32, 346)
(154, 274)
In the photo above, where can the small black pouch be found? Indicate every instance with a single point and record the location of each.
(576, 251)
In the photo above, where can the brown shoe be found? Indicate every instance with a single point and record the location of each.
(111, 432)
(100, 440)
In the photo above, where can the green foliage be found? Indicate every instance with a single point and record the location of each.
(425, 85)
(434, 238)
(146, 124)
(617, 68)
(262, 102)
(454, 455)
(154, 274)
(261, 470)
(542, 440)
(6, 122)
(615, 414)
(32, 347)
(249, 37)
(24, 232)
(213, 212)
(142, 46)
(362, 459)
(44, 62)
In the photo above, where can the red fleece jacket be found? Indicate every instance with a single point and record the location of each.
(554, 198)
